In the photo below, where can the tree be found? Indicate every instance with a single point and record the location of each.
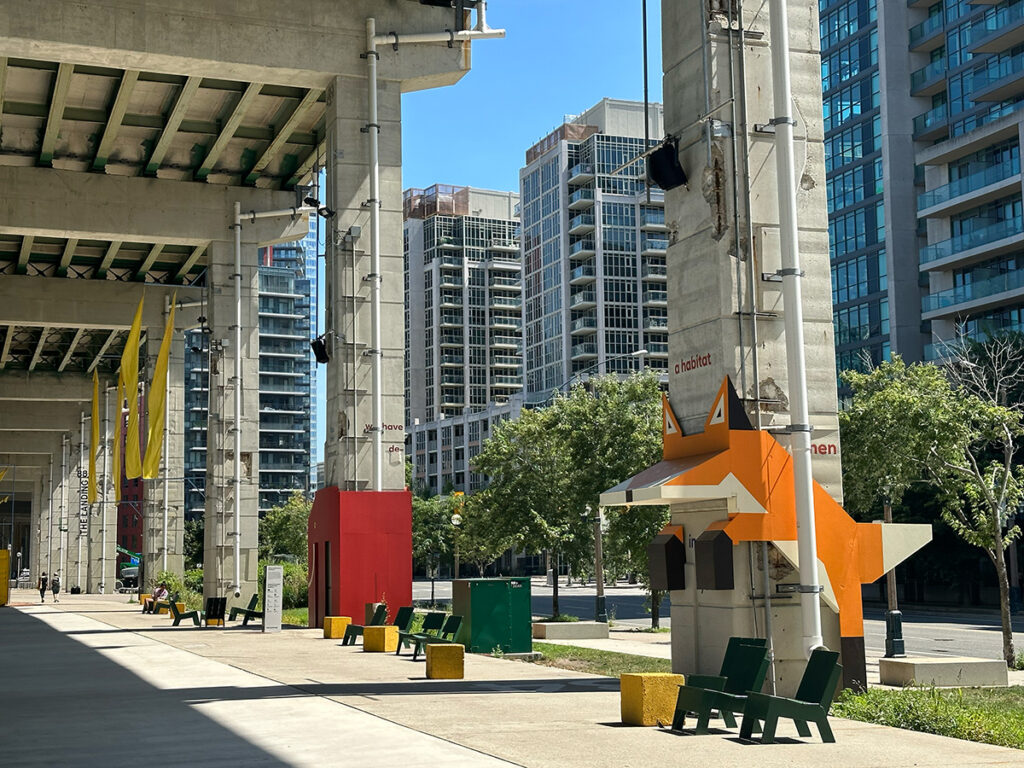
(917, 423)
(547, 466)
(630, 530)
(480, 543)
(283, 530)
(431, 530)
(194, 545)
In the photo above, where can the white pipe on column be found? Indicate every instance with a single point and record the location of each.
(373, 131)
(81, 458)
(236, 480)
(800, 429)
(62, 527)
(49, 526)
(167, 392)
(103, 490)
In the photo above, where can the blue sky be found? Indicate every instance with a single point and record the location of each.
(559, 57)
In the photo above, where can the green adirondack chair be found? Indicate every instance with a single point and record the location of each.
(448, 633)
(747, 668)
(179, 615)
(352, 631)
(810, 705)
(249, 612)
(432, 624)
(720, 682)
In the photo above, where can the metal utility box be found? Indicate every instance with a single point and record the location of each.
(495, 614)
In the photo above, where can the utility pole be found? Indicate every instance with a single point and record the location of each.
(893, 618)
(600, 611)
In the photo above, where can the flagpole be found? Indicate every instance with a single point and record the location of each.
(103, 491)
(81, 456)
(167, 392)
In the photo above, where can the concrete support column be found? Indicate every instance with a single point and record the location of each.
(172, 471)
(348, 448)
(221, 507)
(77, 538)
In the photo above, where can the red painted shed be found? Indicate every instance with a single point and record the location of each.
(360, 551)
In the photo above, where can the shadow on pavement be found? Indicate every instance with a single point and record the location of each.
(65, 704)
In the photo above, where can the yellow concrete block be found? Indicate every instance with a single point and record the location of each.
(445, 661)
(380, 639)
(649, 698)
(215, 622)
(143, 598)
(335, 626)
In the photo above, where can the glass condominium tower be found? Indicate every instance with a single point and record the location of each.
(594, 242)
(923, 130)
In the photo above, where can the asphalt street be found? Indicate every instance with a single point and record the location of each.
(926, 631)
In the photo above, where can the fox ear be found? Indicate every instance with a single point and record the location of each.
(728, 408)
(671, 432)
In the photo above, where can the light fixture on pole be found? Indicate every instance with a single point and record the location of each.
(600, 611)
(635, 353)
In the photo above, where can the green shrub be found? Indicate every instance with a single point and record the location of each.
(194, 580)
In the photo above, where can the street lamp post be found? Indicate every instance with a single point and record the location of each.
(894, 645)
(635, 353)
(600, 611)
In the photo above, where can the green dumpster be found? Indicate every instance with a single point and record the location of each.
(495, 614)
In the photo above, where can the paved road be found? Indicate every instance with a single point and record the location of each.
(926, 632)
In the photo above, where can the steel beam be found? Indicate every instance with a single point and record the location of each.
(66, 256)
(25, 254)
(150, 260)
(117, 111)
(58, 96)
(177, 114)
(71, 350)
(285, 132)
(39, 348)
(108, 258)
(190, 262)
(228, 131)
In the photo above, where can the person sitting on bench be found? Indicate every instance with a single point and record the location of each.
(159, 595)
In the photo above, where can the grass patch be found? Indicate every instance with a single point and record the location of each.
(594, 662)
(297, 617)
(653, 630)
(558, 617)
(986, 715)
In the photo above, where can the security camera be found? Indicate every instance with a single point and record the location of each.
(311, 201)
(238, 593)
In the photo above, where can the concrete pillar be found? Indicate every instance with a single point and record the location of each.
(348, 448)
(172, 470)
(221, 507)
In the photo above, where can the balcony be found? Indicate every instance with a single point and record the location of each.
(655, 323)
(505, 283)
(583, 299)
(583, 325)
(450, 300)
(584, 350)
(928, 34)
(653, 221)
(451, 340)
(452, 360)
(582, 248)
(503, 321)
(581, 173)
(984, 241)
(929, 80)
(451, 319)
(581, 198)
(453, 380)
(448, 280)
(450, 261)
(505, 302)
(998, 32)
(1002, 79)
(505, 342)
(655, 297)
(998, 177)
(452, 399)
(583, 274)
(507, 381)
(933, 124)
(654, 272)
(657, 348)
(581, 224)
(504, 263)
(506, 361)
(997, 288)
(653, 245)
(504, 245)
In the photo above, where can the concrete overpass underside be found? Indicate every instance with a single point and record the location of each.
(129, 130)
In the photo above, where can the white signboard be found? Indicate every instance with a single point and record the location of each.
(273, 593)
(83, 501)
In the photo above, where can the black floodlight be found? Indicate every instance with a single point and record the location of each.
(663, 165)
(320, 350)
(325, 212)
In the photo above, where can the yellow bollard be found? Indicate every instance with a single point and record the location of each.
(649, 698)
(335, 626)
(445, 661)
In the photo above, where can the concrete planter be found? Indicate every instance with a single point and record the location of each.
(570, 630)
(955, 671)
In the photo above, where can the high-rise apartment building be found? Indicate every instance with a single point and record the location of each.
(463, 326)
(923, 133)
(285, 307)
(593, 243)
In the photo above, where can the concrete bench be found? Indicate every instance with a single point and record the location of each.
(955, 671)
(570, 630)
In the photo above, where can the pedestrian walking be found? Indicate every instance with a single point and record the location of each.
(42, 587)
(55, 586)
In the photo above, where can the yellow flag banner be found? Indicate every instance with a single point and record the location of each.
(158, 402)
(94, 442)
(130, 372)
(118, 434)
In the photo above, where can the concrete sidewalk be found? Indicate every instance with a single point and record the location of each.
(91, 681)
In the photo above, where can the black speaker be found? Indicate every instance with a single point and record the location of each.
(713, 555)
(663, 166)
(666, 556)
(320, 350)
